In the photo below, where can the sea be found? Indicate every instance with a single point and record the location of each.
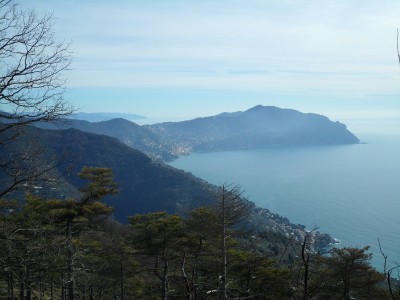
(351, 192)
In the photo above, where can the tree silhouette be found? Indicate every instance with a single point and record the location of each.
(232, 208)
(32, 88)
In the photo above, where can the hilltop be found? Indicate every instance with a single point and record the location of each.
(258, 127)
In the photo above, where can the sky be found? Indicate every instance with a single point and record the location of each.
(181, 59)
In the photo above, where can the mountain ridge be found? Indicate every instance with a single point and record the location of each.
(105, 116)
(145, 185)
(257, 127)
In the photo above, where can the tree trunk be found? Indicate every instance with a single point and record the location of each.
(188, 286)
(306, 263)
(121, 269)
(62, 288)
(222, 280)
(70, 269)
(10, 286)
(21, 286)
(91, 294)
(165, 287)
(42, 288)
(28, 285)
(193, 292)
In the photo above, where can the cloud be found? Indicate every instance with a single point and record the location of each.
(325, 49)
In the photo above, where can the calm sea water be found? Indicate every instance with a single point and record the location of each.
(351, 192)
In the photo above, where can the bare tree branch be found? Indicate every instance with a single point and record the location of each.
(32, 88)
(27, 169)
(388, 273)
(398, 53)
(32, 63)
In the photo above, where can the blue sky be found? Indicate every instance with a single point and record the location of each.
(178, 59)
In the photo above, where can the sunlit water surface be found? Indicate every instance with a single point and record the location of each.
(351, 192)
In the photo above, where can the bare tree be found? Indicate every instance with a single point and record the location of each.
(31, 67)
(32, 85)
(25, 165)
(232, 208)
(398, 53)
(306, 254)
(388, 272)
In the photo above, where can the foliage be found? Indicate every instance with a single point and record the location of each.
(354, 277)
(100, 183)
(160, 256)
(71, 249)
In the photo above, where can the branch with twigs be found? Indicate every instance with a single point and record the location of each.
(388, 273)
(398, 53)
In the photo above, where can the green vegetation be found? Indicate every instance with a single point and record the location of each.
(71, 249)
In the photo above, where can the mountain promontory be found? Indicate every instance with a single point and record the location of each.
(257, 127)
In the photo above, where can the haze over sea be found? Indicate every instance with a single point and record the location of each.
(349, 191)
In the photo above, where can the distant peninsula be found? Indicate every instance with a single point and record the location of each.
(258, 127)
(255, 128)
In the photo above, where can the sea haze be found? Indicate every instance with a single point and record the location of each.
(349, 191)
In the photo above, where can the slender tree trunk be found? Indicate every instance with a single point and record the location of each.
(189, 291)
(165, 287)
(306, 262)
(91, 294)
(10, 286)
(21, 286)
(389, 281)
(28, 294)
(248, 280)
(28, 285)
(42, 287)
(222, 279)
(70, 270)
(121, 269)
(62, 288)
(193, 283)
(347, 288)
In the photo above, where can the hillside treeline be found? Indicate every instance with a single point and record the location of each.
(72, 249)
